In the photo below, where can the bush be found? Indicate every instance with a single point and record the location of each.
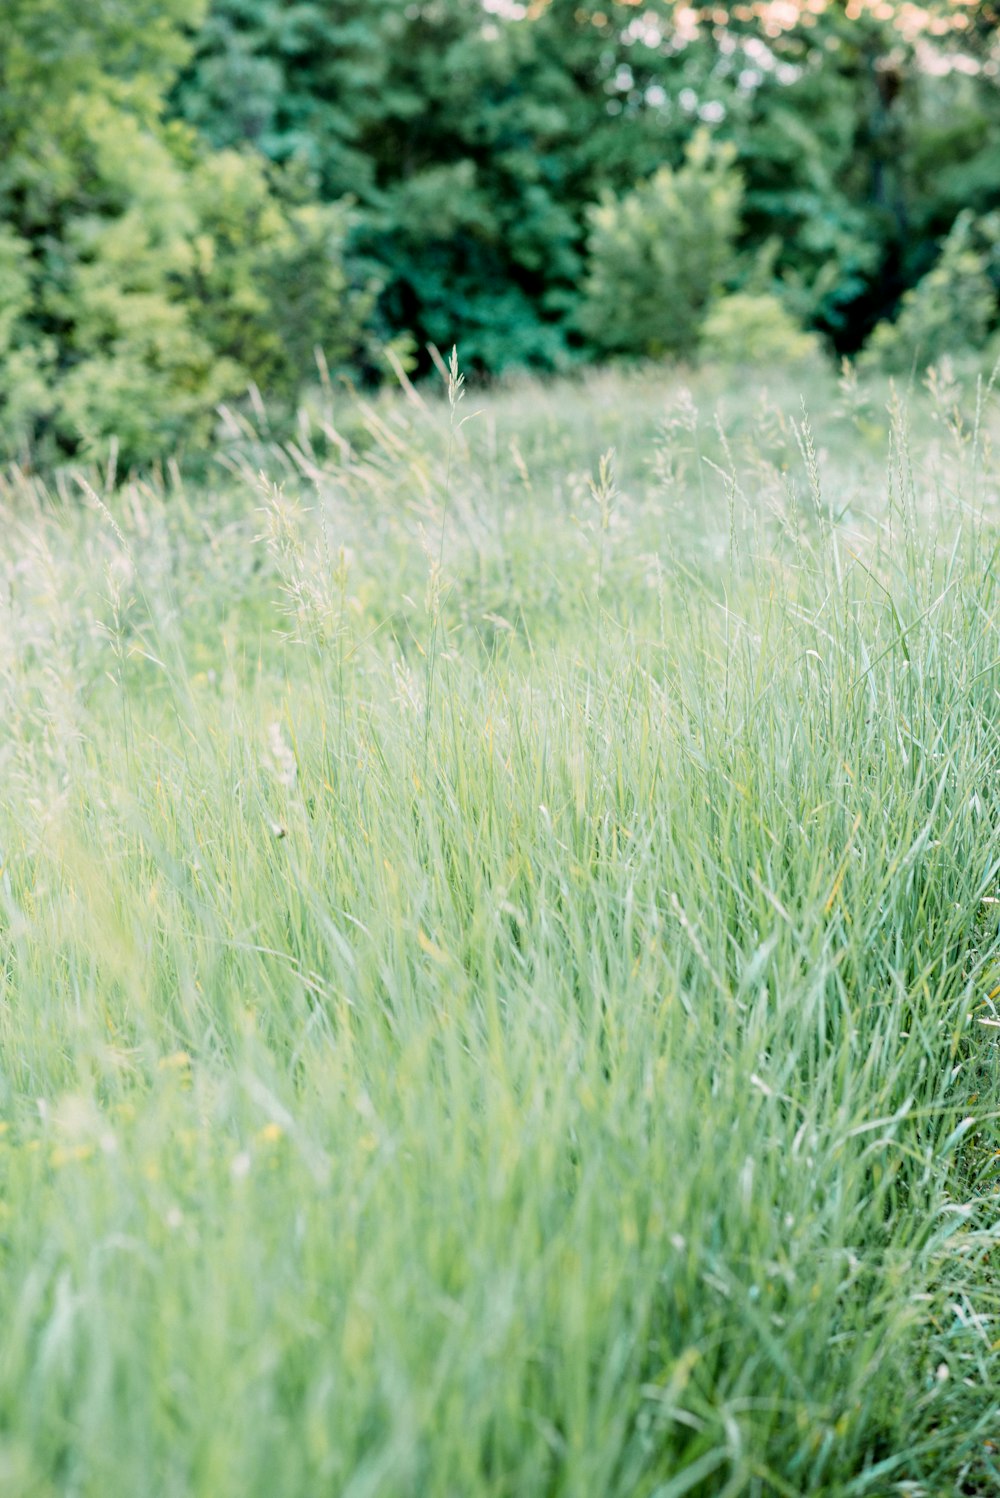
(143, 278)
(951, 309)
(748, 327)
(25, 362)
(658, 255)
(272, 281)
(184, 287)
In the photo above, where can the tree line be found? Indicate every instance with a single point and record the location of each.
(195, 195)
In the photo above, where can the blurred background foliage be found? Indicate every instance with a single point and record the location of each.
(195, 195)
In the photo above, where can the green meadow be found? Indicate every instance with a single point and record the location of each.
(499, 961)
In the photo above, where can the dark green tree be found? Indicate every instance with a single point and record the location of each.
(476, 140)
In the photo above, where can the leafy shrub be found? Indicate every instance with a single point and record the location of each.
(750, 328)
(950, 309)
(25, 362)
(658, 255)
(143, 278)
(271, 281)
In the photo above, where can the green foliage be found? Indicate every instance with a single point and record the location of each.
(796, 142)
(446, 132)
(855, 153)
(174, 181)
(658, 255)
(269, 279)
(755, 329)
(25, 359)
(952, 308)
(144, 279)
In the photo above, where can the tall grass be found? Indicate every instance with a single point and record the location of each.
(499, 955)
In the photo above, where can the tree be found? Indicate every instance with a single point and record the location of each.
(660, 254)
(124, 244)
(476, 141)
(951, 309)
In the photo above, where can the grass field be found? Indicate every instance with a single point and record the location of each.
(499, 953)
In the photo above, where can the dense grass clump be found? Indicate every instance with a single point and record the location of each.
(499, 955)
